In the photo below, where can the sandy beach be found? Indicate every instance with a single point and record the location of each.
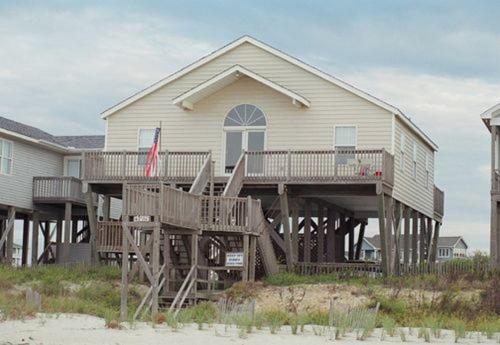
(82, 329)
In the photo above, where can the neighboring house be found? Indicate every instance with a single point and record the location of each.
(40, 184)
(453, 247)
(491, 119)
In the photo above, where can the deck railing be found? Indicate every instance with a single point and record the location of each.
(147, 202)
(52, 189)
(438, 201)
(125, 165)
(321, 166)
(109, 237)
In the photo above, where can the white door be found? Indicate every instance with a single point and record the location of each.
(249, 140)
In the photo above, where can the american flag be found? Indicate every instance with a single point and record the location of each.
(152, 157)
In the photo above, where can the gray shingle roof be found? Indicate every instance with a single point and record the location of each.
(74, 141)
(82, 141)
(445, 241)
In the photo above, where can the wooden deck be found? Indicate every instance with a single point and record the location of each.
(57, 189)
(174, 207)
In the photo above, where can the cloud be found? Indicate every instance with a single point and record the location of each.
(60, 69)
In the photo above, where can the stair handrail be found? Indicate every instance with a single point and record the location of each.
(203, 177)
(235, 181)
(183, 286)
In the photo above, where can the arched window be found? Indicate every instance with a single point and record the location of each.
(245, 115)
(244, 129)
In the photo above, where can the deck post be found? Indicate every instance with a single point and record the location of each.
(166, 260)
(34, 238)
(320, 235)
(67, 229)
(124, 283)
(406, 239)
(2, 246)
(295, 232)
(389, 233)
(422, 238)
(286, 225)
(59, 240)
(155, 268)
(414, 239)
(194, 260)
(330, 236)
(92, 219)
(307, 232)
(398, 211)
(106, 204)
(46, 241)
(7, 237)
(244, 273)
(383, 233)
(435, 238)
(26, 235)
(251, 260)
(74, 230)
(359, 244)
(350, 235)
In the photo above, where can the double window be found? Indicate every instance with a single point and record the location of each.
(6, 153)
(345, 142)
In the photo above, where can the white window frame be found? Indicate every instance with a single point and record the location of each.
(139, 141)
(402, 149)
(414, 160)
(72, 158)
(335, 140)
(244, 140)
(11, 157)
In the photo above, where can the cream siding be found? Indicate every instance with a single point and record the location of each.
(288, 126)
(410, 191)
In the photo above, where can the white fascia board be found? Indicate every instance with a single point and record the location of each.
(179, 100)
(43, 143)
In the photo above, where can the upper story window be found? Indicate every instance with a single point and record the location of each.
(6, 153)
(74, 167)
(414, 165)
(245, 115)
(144, 143)
(345, 140)
(402, 145)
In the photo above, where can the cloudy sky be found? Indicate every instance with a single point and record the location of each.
(439, 61)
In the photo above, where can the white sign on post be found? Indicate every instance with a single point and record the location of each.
(234, 259)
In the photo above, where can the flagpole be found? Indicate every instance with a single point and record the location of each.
(159, 150)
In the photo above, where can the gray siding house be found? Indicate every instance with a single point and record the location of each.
(41, 190)
(450, 247)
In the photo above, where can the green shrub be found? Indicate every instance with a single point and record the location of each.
(204, 312)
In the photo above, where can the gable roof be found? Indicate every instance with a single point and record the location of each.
(36, 135)
(443, 241)
(187, 99)
(247, 39)
(487, 116)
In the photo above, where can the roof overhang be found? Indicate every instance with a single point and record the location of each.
(38, 142)
(489, 116)
(188, 99)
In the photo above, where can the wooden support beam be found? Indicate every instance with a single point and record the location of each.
(435, 239)
(406, 238)
(92, 219)
(422, 238)
(34, 238)
(389, 233)
(351, 240)
(266, 250)
(67, 229)
(74, 230)
(194, 259)
(286, 226)
(7, 237)
(46, 241)
(155, 257)
(383, 233)
(246, 246)
(361, 236)
(307, 232)
(106, 207)
(398, 212)
(320, 235)
(26, 238)
(295, 232)
(124, 283)
(414, 239)
(330, 236)
(59, 240)
(251, 260)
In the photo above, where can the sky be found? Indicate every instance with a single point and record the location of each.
(63, 62)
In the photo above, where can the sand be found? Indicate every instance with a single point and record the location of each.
(83, 329)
